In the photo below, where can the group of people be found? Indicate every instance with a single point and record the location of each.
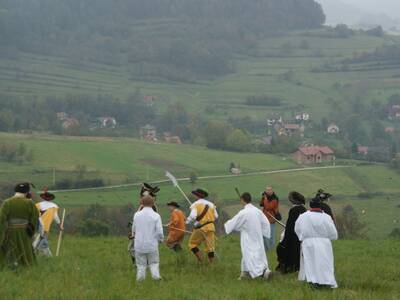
(24, 227)
(305, 245)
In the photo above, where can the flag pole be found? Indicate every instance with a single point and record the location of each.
(60, 234)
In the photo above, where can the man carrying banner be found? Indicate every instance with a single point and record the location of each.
(203, 214)
(176, 227)
(19, 220)
(48, 213)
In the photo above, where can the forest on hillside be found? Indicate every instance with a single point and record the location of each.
(173, 39)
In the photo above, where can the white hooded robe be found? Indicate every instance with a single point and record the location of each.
(315, 230)
(252, 225)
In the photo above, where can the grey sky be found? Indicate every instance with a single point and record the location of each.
(390, 7)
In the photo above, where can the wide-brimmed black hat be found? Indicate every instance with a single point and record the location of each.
(296, 198)
(200, 193)
(148, 190)
(47, 196)
(322, 195)
(23, 188)
(173, 203)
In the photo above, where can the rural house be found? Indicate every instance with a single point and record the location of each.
(69, 123)
(290, 129)
(302, 117)
(394, 112)
(172, 139)
(333, 129)
(362, 150)
(148, 100)
(148, 133)
(314, 155)
(390, 130)
(107, 122)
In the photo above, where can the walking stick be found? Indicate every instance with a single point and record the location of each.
(60, 234)
(277, 221)
(167, 226)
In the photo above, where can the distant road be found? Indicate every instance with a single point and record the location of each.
(201, 178)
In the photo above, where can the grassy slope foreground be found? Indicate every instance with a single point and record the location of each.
(101, 269)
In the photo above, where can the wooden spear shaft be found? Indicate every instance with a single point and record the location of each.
(60, 234)
(178, 229)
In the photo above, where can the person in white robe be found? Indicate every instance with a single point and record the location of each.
(253, 226)
(316, 230)
(148, 233)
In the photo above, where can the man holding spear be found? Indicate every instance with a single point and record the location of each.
(203, 213)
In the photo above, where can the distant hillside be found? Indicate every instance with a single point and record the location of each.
(175, 39)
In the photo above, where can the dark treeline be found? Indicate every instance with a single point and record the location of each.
(163, 37)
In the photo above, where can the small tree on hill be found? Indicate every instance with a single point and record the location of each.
(348, 224)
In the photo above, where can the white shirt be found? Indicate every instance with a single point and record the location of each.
(253, 225)
(147, 230)
(193, 210)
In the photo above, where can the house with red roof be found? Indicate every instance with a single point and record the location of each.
(314, 155)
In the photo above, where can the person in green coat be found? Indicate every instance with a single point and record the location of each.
(19, 219)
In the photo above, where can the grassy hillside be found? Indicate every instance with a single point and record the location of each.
(262, 72)
(101, 269)
(121, 161)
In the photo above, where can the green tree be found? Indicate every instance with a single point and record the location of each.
(216, 134)
(238, 140)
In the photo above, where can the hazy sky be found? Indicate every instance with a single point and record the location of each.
(390, 7)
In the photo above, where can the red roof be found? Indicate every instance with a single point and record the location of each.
(292, 126)
(313, 150)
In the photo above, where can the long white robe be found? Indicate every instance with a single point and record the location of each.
(316, 230)
(252, 225)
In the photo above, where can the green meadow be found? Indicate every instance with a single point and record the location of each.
(372, 189)
(100, 268)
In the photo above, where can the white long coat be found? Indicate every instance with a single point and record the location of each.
(315, 231)
(252, 225)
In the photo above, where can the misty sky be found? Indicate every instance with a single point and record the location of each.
(390, 7)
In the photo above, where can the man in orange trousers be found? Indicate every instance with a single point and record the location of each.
(176, 227)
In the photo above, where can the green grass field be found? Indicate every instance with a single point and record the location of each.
(259, 73)
(121, 161)
(101, 269)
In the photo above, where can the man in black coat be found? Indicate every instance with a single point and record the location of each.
(288, 250)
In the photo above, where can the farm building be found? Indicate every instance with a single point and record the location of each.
(107, 122)
(333, 129)
(394, 112)
(314, 155)
(148, 133)
(302, 117)
(172, 139)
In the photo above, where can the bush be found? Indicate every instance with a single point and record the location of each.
(93, 227)
(395, 234)
(348, 224)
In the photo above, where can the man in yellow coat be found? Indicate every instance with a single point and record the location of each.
(203, 213)
(48, 214)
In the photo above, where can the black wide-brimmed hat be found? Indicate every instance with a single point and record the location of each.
(200, 193)
(296, 198)
(322, 195)
(173, 203)
(23, 188)
(47, 196)
(148, 190)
